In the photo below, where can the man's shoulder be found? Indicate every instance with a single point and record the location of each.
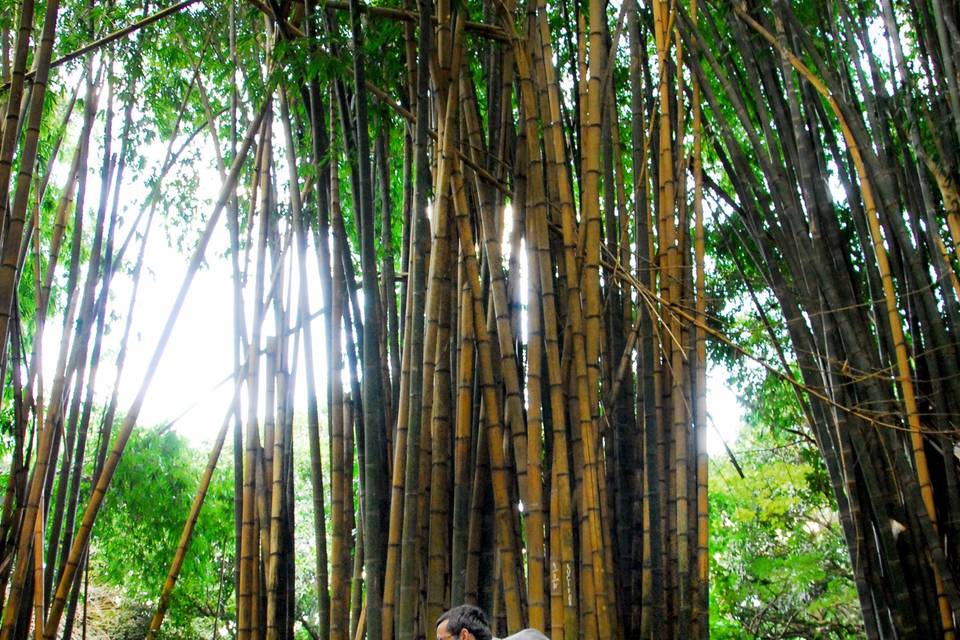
(527, 634)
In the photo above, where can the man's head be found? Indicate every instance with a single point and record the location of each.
(465, 622)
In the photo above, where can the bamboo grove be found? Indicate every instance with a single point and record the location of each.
(503, 205)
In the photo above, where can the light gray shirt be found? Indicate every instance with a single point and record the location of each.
(526, 634)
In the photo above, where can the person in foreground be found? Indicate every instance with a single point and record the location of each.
(467, 622)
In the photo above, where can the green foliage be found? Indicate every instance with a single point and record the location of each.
(140, 525)
(137, 533)
(778, 561)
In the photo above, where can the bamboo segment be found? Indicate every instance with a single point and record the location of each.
(340, 456)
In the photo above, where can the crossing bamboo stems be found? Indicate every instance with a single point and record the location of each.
(501, 308)
(504, 515)
(78, 547)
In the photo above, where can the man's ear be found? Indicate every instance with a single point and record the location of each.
(464, 634)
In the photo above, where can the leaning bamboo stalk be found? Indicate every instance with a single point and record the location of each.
(110, 466)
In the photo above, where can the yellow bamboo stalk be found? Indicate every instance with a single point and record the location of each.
(562, 586)
(590, 214)
(462, 433)
(438, 548)
(681, 377)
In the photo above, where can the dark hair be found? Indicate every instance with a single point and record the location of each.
(469, 617)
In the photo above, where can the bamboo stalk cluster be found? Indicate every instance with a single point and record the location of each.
(514, 411)
(864, 282)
